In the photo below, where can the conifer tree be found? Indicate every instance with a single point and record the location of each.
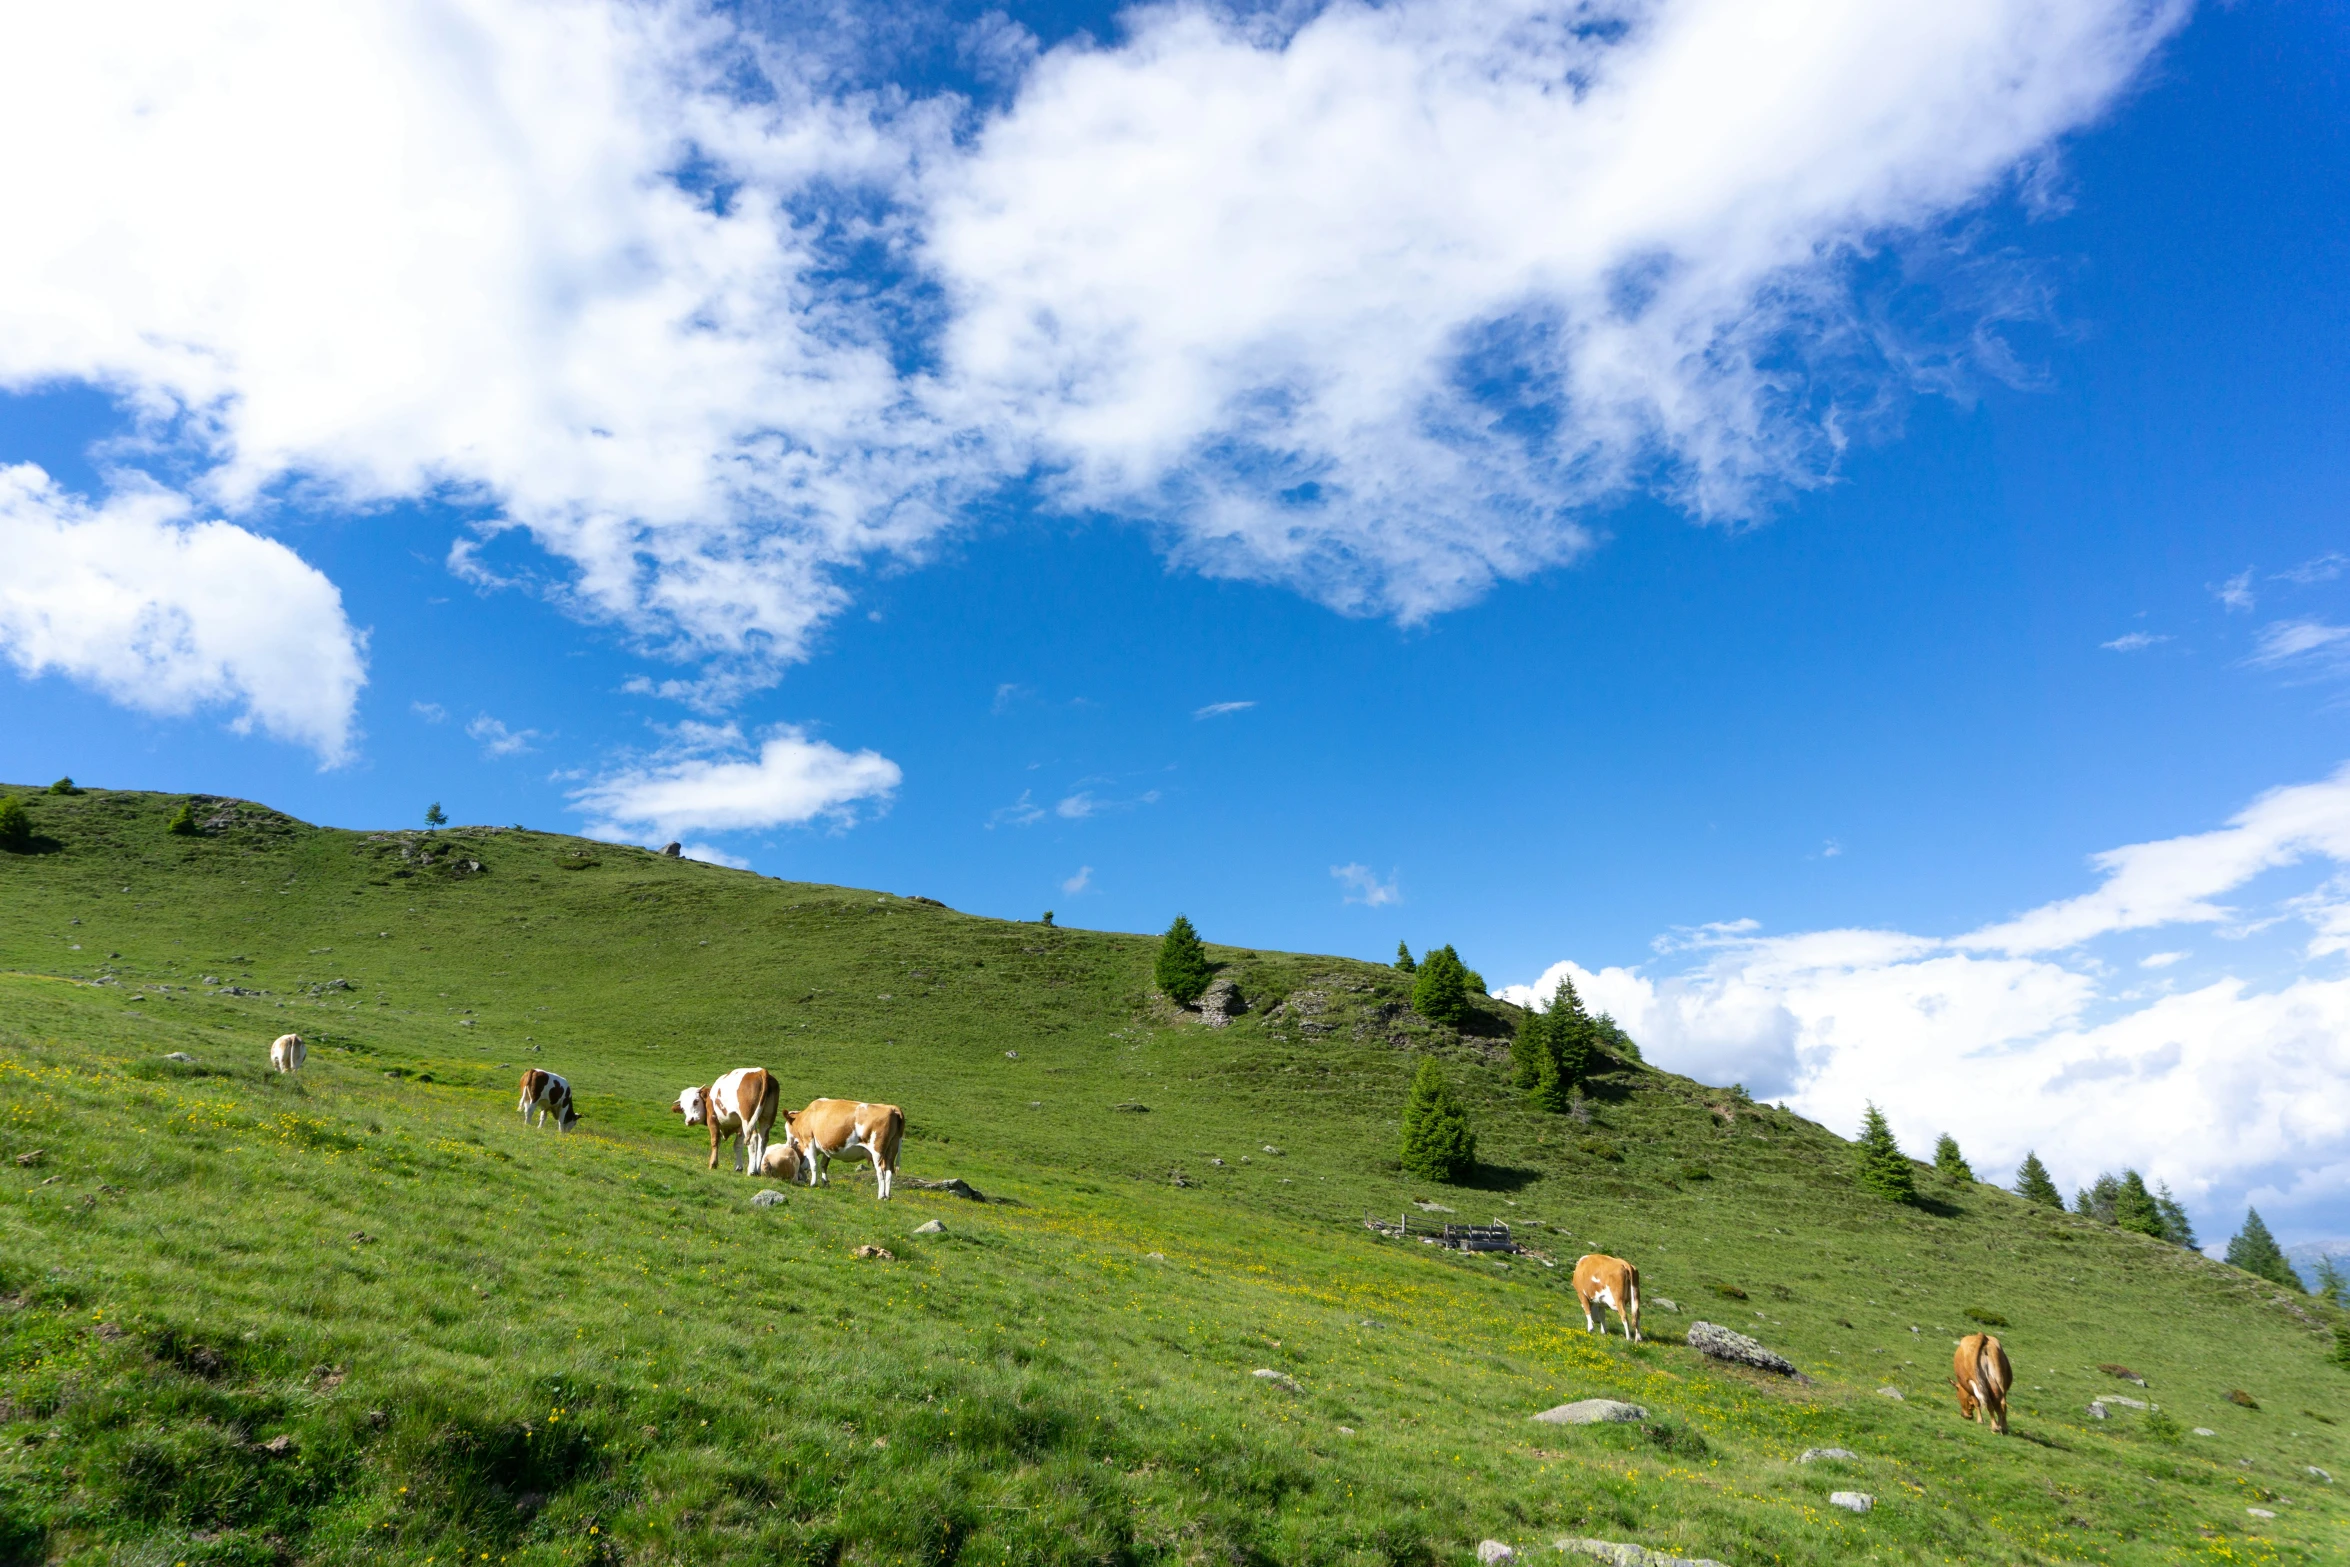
(1949, 1163)
(2331, 1285)
(65, 785)
(2033, 1185)
(183, 820)
(1571, 1036)
(16, 825)
(1884, 1168)
(1611, 1038)
(2256, 1252)
(2175, 1227)
(1437, 1141)
(1440, 993)
(434, 816)
(1554, 1089)
(2133, 1206)
(1183, 969)
(1404, 963)
(2097, 1202)
(1529, 1049)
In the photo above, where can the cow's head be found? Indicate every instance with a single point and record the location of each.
(1966, 1399)
(694, 1105)
(570, 1115)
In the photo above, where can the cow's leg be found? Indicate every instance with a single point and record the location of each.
(1588, 1325)
(880, 1175)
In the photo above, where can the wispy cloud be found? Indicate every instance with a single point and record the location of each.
(2324, 568)
(2161, 959)
(1081, 882)
(1022, 812)
(430, 712)
(2135, 642)
(1363, 886)
(1219, 709)
(498, 741)
(2311, 645)
(2236, 592)
(1831, 850)
(1006, 695)
(710, 778)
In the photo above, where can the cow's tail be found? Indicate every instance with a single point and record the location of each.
(885, 1148)
(1632, 1300)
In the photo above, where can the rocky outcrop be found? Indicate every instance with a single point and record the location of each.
(1222, 1002)
(1722, 1344)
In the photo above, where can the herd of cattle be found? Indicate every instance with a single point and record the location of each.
(741, 1108)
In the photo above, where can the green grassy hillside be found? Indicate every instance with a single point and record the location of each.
(362, 1315)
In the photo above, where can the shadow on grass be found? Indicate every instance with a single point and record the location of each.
(1498, 1178)
(38, 843)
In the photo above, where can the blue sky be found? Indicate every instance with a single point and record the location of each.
(1743, 548)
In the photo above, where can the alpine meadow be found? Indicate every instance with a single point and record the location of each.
(1124, 1307)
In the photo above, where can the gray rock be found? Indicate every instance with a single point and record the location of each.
(2320, 1473)
(1221, 1003)
(1812, 1453)
(1491, 1551)
(1723, 1344)
(181, 1055)
(768, 1199)
(2260, 1512)
(2097, 1412)
(1892, 1393)
(932, 1228)
(2117, 1398)
(1592, 1412)
(1852, 1501)
(1276, 1153)
(2205, 1431)
(1278, 1379)
(1665, 1303)
(1629, 1555)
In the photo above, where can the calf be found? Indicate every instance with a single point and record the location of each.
(1604, 1281)
(741, 1105)
(830, 1127)
(1982, 1376)
(548, 1095)
(288, 1053)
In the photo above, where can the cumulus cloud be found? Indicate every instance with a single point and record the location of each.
(170, 616)
(498, 741)
(1363, 886)
(1367, 299)
(711, 779)
(2012, 1038)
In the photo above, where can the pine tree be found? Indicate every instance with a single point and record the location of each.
(16, 826)
(2097, 1202)
(1554, 1090)
(65, 785)
(2256, 1252)
(1440, 993)
(1437, 1142)
(2033, 1185)
(183, 820)
(1949, 1163)
(1571, 1036)
(1612, 1038)
(1884, 1168)
(2133, 1206)
(1529, 1049)
(2175, 1227)
(2341, 1355)
(2331, 1286)
(1183, 968)
(1404, 963)
(434, 816)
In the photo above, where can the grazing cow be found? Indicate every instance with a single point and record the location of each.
(741, 1105)
(814, 1137)
(547, 1094)
(288, 1053)
(1982, 1376)
(1605, 1281)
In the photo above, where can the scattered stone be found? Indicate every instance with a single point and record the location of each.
(1629, 1555)
(181, 1055)
(872, 1253)
(1428, 1205)
(1154, 1256)
(362, 1238)
(1723, 1344)
(2320, 1473)
(1892, 1393)
(1490, 1551)
(1276, 1153)
(1346, 1430)
(2260, 1512)
(1811, 1454)
(2205, 1431)
(1218, 1163)
(1665, 1303)
(1852, 1501)
(2097, 1412)
(934, 1227)
(1279, 1379)
(953, 1186)
(1011, 1055)
(278, 1446)
(29, 1160)
(648, 1432)
(2124, 1372)
(675, 851)
(2237, 1395)
(1593, 1412)
(767, 1199)
(2117, 1398)
(1129, 1107)
(465, 1022)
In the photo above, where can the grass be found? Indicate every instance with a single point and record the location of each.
(362, 1315)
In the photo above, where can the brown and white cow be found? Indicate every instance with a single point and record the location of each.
(739, 1107)
(1982, 1376)
(1608, 1282)
(828, 1128)
(288, 1052)
(547, 1094)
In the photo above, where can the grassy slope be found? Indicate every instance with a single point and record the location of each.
(591, 1349)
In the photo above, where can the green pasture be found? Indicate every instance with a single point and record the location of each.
(362, 1315)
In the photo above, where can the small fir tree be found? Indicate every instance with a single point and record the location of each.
(1949, 1163)
(2133, 1206)
(1404, 962)
(1572, 1035)
(1438, 1144)
(2097, 1202)
(2175, 1227)
(16, 826)
(2331, 1285)
(2341, 1355)
(1440, 991)
(183, 820)
(1612, 1038)
(2033, 1185)
(434, 816)
(1554, 1089)
(64, 786)
(1529, 1047)
(1884, 1168)
(2257, 1252)
(1183, 969)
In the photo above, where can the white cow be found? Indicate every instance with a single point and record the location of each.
(547, 1094)
(288, 1052)
(741, 1105)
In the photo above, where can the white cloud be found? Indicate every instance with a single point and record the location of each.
(1077, 807)
(2312, 645)
(1219, 709)
(170, 616)
(710, 780)
(2236, 592)
(1022, 812)
(2229, 1090)
(430, 712)
(2323, 568)
(714, 856)
(1081, 882)
(1363, 886)
(497, 741)
(2134, 642)
(1368, 299)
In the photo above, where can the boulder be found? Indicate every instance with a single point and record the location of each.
(874, 1254)
(1893, 1393)
(1629, 1555)
(932, 1228)
(1222, 1002)
(2117, 1398)
(1811, 1454)
(1722, 1344)
(1664, 1303)
(1852, 1501)
(768, 1199)
(1279, 1379)
(181, 1055)
(953, 1186)
(1491, 1551)
(1592, 1412)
